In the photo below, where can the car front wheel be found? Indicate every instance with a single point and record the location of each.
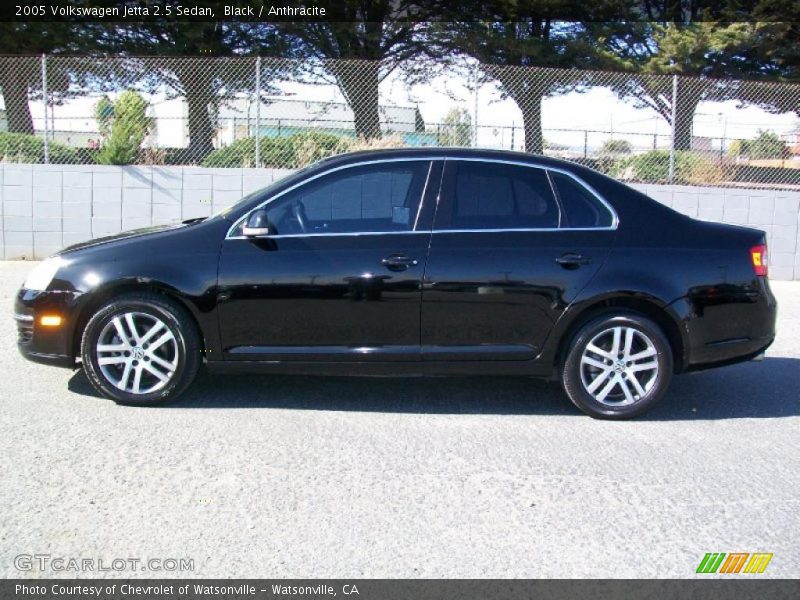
(617, 366)
(141, 349)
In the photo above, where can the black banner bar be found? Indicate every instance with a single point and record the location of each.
(745, 587)
(275, 11)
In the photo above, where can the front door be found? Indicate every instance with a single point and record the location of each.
(339, 278)
(512, 246)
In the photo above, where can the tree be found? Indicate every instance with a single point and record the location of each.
(774, 53)
(372, 39)
(199, 79)
(192, 78)
(21, 76)
(775, 56)
(727, 48)
(506, 52)
(456, 128)
(17, 76)
(711, 52)
(200, 61)
(508, 38)
(124, 125)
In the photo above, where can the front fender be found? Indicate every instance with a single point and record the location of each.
(189, 275)
(193, 288)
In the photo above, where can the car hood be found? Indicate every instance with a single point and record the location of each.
(126, 235)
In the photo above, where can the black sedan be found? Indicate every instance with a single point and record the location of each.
(412, 262)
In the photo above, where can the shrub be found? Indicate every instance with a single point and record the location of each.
(23, 148)
(294, 151)
(616, 147)
(766, 145)
(311, 146)
(653, 167)
(275, 152)
(286, 152)
(124, 125)
(705, 172)
(736, 148)
(381, 143)
(152, 156)
(773, 175)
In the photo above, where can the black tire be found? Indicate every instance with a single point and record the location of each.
(574, 373)
(187, 348)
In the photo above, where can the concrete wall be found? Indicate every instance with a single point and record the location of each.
(47, 207)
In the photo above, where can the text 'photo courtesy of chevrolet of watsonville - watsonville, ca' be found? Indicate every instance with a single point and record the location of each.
(412, 262)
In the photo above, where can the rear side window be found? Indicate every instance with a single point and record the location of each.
(581, 208)
(499, 196)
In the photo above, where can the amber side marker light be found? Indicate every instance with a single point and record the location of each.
(50, 320)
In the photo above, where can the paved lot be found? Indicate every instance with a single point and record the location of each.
(294, 476)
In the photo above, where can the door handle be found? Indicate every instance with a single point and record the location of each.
(399, 262)
(573, 260)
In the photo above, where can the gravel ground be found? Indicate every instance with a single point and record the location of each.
(325, 477)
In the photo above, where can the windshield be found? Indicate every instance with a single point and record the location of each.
(226, 209)
(261, 193)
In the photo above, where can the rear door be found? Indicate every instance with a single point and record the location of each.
(512, 246)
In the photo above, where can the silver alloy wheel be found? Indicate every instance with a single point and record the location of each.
(619, 366)
(137, 353)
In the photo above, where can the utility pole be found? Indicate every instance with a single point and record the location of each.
(45, 100)
(476, 78)
(258, 111)
(672, 140)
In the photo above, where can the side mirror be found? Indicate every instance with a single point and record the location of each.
(257, 224)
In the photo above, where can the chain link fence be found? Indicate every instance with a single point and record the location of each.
(247, 112)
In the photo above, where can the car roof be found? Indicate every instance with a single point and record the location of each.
(622, 198)
(446, 152)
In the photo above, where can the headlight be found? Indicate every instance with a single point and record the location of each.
(43, 274)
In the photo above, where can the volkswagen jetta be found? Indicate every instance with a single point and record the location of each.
(412, 262)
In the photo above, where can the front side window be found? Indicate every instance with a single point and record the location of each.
(375, 198)
(499, 196)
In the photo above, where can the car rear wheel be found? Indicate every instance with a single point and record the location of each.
(617, 366)
(141, 349)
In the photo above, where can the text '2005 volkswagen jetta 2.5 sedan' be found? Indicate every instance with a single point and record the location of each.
(412, 262)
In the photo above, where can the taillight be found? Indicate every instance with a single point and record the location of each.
(758, 256)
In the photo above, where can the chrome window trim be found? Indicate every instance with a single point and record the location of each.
(422, 196)
(554, 191)
(593, 192)
(523, 229)
(228, 235)
(547, 169)
(347, 234)
(428, 232)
